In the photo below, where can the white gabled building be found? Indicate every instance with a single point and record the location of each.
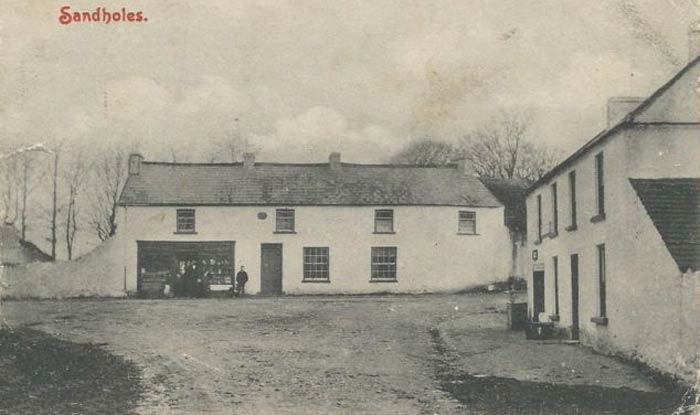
(615, 228)
(311, 228)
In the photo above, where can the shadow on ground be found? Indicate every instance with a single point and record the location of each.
(42, 374)
(498, 395)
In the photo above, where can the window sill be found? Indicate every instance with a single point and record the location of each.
(328, 281)
(600, 321)
(378, 280)
(571, 228)
(384, 233)
(537, 241)
(598, 218)
(285, 232)
(552, 235)
(554, 317)
(185, 233)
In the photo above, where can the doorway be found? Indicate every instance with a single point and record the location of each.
(538, 294)
(574, 297)
(271, 269)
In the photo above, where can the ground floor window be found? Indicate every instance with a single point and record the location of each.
(384, 263)
(316, 264)
(555, 264)
(601, 281)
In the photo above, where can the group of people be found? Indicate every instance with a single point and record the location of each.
(194, 283)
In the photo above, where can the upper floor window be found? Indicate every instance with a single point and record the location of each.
(600, 186)
(383, 221)
(555, 211)
(316, 264)
(539, 217)
(185, 220)
(467, 222)
(572, 199)
(285, 220)
(384, 263)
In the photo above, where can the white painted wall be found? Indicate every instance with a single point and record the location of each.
(432, 257)
(647, 318)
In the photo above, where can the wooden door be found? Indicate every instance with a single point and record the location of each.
(574, 297)
(538, 294)
(271, 269)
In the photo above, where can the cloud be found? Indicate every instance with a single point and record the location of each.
(315, 133)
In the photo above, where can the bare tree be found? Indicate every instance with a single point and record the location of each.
(26, 188)
(110, 172)
(10, 194)
(426, 151)
(229, 149)
(501, 149)
(74, 178)
(54, 202)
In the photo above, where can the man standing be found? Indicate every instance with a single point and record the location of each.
(241, 279)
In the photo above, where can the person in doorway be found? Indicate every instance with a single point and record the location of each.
(241, 279)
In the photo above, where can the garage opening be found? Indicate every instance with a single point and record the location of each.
(185, 269)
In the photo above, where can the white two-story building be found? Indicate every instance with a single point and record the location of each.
(310, 228)
(614, 232)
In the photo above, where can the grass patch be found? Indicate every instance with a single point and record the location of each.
(41, 374)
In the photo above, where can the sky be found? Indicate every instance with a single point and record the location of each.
(300, 79)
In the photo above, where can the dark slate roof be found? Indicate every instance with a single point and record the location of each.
(626, 121)
(15, 251)
(510, 192)
(303, 184)
(674, 207)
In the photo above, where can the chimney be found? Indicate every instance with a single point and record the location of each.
(463, 166)
(248, 160)
(693, 40)
(135, 160)
(619, 107)
(334, 161)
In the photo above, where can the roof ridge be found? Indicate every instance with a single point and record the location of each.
(287, 164)
(626, 120)
(663, 88)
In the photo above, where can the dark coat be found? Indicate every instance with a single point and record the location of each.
(242, 277)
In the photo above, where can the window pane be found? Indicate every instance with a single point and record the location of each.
(467, 222)
(600, 180)
(601, 280)
(285, 220)
(384, 263)
(572, 197)
(316, 263)
(185, 220)
(384, 220)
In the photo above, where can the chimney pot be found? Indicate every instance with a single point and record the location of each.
(248, 160)
(619, 107)
(135, 160)
(334, 160)
(463, 165)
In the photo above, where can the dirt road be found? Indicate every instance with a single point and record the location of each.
(336, 355)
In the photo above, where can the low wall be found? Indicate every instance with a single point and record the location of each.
(95, 274)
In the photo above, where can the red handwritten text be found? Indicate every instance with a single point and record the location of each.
(100, 15)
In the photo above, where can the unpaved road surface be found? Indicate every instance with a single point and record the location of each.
(433, 354)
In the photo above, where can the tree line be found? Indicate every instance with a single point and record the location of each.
(502, 148)
(67, 189)
(70, 190)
